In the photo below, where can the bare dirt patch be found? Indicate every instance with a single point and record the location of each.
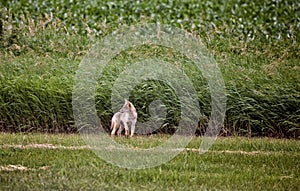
(51, 146)
(45, 146)
(19, 167)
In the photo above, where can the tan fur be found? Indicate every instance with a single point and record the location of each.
(120, 119)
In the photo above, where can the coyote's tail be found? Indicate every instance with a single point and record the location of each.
(112, 125)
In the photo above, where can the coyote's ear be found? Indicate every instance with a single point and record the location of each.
(126, 101)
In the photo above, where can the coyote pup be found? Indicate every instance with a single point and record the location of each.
(120, 120)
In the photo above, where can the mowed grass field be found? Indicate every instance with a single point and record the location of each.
(64, 162)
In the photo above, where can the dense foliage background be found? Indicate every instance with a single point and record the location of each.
(256, 44)
(275, 19)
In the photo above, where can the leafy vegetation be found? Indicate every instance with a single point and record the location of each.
(272, 19)
(255, 44)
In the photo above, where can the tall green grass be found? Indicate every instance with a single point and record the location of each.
(39, 58)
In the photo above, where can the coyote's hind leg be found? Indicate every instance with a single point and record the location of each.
(120, 130)
(114, 127)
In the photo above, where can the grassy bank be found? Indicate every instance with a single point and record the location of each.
(60, 162)
(40, 54)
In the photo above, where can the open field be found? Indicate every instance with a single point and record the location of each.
(64, 162)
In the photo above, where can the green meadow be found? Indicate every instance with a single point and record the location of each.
(63, 162)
